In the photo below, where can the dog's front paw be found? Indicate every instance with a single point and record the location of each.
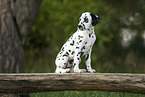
(92, 71)
(80, 70)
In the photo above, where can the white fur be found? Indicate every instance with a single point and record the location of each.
(78, 45)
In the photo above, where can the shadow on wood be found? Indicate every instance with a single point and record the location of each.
(45, 82)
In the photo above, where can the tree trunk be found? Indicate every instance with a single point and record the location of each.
(11, 52)
(16, 17)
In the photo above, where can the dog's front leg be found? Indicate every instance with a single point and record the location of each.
(77, 60)
(88, 62)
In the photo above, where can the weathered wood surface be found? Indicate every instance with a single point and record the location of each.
(45, 82)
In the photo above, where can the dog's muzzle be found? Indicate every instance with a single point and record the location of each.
(81, 27)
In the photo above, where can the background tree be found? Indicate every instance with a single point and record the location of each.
(16, 17)
(11, 53)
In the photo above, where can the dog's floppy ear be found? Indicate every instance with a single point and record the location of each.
(95, 19)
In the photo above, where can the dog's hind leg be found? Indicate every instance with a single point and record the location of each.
(61, 64)
(61, 70)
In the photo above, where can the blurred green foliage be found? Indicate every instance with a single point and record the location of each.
(58, 20)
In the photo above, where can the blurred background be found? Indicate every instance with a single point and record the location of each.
(33, 31)
(120, 44)
(43, 26)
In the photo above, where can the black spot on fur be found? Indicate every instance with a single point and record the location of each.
(74, 64)
(72, 43)
(66, 54)
(62, 48)
(71, 61)
(81, 54)
(89, 35)
(77, 47)
(87, 56)
(80, 41)
(80, 36)
(86, 20)
(72, 53)
(83, 48)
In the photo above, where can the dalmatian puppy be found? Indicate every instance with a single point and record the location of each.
(78, 45)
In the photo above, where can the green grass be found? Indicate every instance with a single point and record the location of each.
(85, 94)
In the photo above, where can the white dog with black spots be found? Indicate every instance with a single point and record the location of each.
(78, 45)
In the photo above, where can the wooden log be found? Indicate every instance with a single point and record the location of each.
(45, 82)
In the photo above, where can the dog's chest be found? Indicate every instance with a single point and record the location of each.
(89, 41)
(84, 41)
(79, 40)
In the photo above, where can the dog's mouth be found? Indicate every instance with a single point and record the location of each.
(80, 27)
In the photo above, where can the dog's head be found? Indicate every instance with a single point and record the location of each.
(87, 20)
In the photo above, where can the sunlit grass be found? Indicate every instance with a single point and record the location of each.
(85, 94)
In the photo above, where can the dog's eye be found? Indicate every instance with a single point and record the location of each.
(86, 20)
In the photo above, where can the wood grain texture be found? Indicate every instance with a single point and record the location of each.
(45, 82)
